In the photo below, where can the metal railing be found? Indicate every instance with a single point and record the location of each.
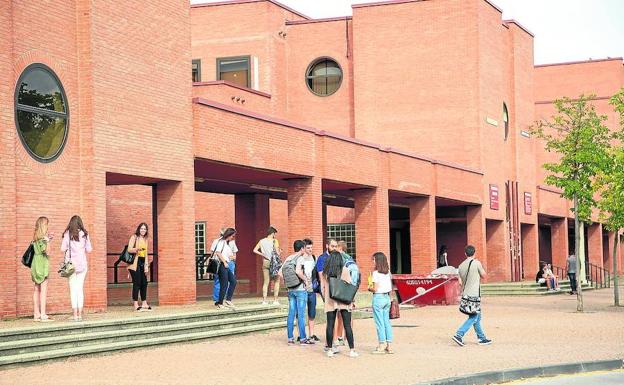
(598, 276)
(560, 272)
(115, 268)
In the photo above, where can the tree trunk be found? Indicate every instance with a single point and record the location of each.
(616, 293)
(577, 244)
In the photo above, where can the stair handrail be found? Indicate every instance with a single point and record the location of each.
(598, 276)
(560, 272)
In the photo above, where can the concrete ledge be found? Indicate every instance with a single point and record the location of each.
(526, 373)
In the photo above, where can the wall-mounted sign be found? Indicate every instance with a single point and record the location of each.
(491, 121)
(494, 197)
(528, 204)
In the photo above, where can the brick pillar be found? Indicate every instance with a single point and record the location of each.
(530, 250)
(9, 262)
(559, 241)
(176, 250)
(305, 211)
(608, 260)
(499, 262)
(476, 235)
(423, 234)
(372, 227)
(252, 221)
(594, 244)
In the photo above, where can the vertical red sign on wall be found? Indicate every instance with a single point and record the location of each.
(493, 197)
(528, 204)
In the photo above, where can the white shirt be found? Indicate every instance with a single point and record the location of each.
(383, 281)
(220, 245)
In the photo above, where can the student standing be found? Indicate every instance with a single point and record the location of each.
(139, 269)
(297, 283)
(40, 269)
(76, 244)
(226, 276)
(571, 262)
(232, 266)
(470, 273)
(309, 264)
(265, 248)
(381, 289)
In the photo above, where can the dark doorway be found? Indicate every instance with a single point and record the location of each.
(400, 245)
(545, 244)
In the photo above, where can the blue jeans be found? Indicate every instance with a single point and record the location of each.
(381, 315)
(311, 305)
(217, 284)
(297, 300)
(475, 320)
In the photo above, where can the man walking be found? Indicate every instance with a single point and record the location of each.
(265, 248)
(470, 273)
(571, 261)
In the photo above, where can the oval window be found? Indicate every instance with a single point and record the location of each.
(324, 76)
(41, 113)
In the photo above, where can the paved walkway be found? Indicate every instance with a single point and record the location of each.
(527, 331)
(612, 378)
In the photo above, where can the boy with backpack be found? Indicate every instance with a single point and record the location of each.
(297, 283)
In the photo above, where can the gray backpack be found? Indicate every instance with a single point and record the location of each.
(291, 279)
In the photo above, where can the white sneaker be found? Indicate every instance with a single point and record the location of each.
(265, 303)
(276, 303)
(330, 353)
(353, 354)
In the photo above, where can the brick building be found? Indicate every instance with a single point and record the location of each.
(401, 128)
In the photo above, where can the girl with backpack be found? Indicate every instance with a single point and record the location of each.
(381, 288)
(335, 268)
(40, 269)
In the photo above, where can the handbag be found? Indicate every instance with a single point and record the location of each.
(275, 263)
(394, 310)
(127, 257)
(67, 267)
(341, 291)
(28, 256)
(470, 305)
(214, 262)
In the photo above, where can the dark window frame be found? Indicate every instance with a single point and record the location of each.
(314, 63)
(506, 120)
(198, 62)
(247, 57)
(22, 107)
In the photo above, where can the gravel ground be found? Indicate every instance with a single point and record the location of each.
(527, 331)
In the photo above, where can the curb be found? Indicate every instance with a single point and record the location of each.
(527, 373)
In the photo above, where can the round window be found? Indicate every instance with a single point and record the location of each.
(41, 113)
(324, 76)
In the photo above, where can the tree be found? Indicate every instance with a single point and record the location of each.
(578, 135)
(611, 183)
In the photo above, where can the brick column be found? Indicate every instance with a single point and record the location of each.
(176, 250)
(252, 221)
(559, 241)
(305, 212)
(423, 234)
(608, 262)
(594, 244)
(476, 235)
(372, 227)
(498, 258)
(530, 250)
(9, 262)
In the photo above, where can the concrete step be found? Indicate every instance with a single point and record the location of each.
(524, 284)
(95, 337)
(17, 359)
(544, 291)
(140, 320)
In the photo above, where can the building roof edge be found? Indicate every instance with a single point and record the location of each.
(235, 2)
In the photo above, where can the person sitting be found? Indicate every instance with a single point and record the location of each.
(551, 280)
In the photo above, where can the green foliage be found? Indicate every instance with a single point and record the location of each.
(611, 179)
(581, 139)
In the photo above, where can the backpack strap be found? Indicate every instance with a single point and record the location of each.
(466, 279)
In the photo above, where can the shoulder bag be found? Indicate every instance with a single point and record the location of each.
(341, 291)
(126, 256)
(67, 267)
(469, 305)
(28, 256)
(275, 263)
(214, 262)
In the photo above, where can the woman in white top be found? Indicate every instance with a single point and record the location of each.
(223, 251)
(381, 286)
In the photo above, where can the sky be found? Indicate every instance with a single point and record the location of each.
(565, 30)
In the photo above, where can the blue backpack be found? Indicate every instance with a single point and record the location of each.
(354, 270)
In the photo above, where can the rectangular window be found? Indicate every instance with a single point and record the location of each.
(196, 70)
(234, 70)
(200, 238)
(343, 232)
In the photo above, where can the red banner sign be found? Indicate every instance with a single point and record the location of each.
(494, 197)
